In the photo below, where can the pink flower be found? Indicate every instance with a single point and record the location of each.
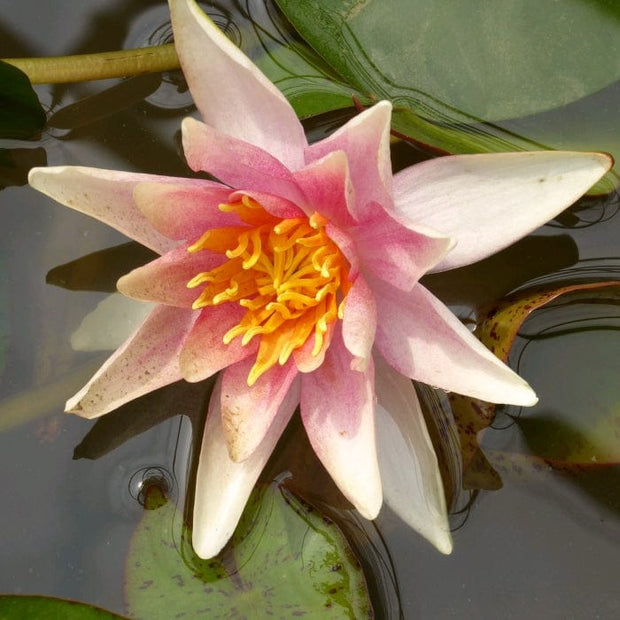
(296, 275)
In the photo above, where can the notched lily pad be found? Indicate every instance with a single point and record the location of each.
(285, 559)
(497, 329)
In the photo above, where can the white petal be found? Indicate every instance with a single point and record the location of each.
(412, 485)
(106, 195)
(110, 323)
(230, 92)
(423, 340)
(487, 202)
(223, 485)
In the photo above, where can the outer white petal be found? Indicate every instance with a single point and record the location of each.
(487, 202)
(106, 195)
(230, 92)
(148, 360)
(423, 340)
(412, 485)
(223, 485)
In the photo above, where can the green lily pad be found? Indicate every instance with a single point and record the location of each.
(285, 560)
(21, 114)
(48, 608)
(451, 69)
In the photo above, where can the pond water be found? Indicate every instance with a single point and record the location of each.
(545, 545)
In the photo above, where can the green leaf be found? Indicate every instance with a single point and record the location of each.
(286, 560)
(21, 114)
(451, 69)
(48, 608)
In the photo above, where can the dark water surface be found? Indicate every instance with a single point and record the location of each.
(545, 545)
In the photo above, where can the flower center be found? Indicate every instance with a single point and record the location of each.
(288, 274)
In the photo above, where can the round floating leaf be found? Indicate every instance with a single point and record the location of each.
(285, 560)
(48, 608)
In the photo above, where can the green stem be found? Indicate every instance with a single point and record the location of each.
(84, 67)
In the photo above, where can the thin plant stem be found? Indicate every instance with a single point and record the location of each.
(101, 66)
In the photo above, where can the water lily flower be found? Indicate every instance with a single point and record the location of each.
(296, 274)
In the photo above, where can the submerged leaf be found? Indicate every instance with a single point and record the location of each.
(497, 329)
(285, 560)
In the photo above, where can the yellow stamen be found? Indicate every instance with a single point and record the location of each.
(288, 274)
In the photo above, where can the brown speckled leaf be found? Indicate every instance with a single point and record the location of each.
(498, 326)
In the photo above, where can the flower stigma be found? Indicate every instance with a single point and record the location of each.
(289, 275)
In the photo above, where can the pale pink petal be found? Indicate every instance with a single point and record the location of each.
(486, 202)
(106, 195)
(412, 485)
(165, 279)
(204, 352)
(147, 361)
(366, 141)
(395, 253)
(236, 163)
(223, 485)
(230, 92)
(347, 246)
(274, 205)
(247, 412)
(337, 409)
(423, 340)
(359, 323)
(303, 357)
(184, 212)
(328, 188)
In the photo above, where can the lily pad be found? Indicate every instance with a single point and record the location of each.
(21, 114)
(455, 70)
(285, 559)
(48, 608)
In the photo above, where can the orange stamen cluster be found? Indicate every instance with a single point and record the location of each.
(288, 274)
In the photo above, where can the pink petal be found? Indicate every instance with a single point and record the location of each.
(347, 246)
(486, 202)
(366, 141)
(303, 358)
(412, 485)
(423, 340)
(165, 279)
(337, 409)
(247, 412)
(184, 212)
(359, 323)
(147, 361)
(223, 485)
(236, 163)
(230, 92)
(397, 254)
(106, 195)
(328, 189)
(274, 205)
(204, 352)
